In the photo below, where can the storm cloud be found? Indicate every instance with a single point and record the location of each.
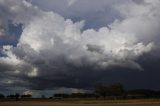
(58, 52)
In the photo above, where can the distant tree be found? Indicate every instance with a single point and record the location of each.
(43, 96)
(2, 96)
(60, 96)
(143, 93)
(111, 90)
(26, 96)
(116, 90)
(50, 97)
(11, 96)
(17, 95)
(101, 90)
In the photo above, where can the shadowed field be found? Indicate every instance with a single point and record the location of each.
(82, 103)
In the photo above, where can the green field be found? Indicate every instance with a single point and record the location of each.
(144, 102)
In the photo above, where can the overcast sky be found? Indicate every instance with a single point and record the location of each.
(71, 45)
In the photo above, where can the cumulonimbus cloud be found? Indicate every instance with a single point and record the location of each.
(49, 42)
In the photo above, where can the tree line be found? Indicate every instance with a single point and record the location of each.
(114, 91)
(16, 96)
(101, 91)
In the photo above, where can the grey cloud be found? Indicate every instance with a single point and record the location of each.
(95, 48)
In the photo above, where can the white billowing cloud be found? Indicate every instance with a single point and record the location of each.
(48, 41)
(141, 19)
(57, 32)
(50, 32)
(113, 47)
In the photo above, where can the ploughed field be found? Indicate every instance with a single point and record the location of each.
(39, 102)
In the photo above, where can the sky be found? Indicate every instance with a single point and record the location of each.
(49, 46)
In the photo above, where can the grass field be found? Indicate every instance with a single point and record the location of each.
(144, 102)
